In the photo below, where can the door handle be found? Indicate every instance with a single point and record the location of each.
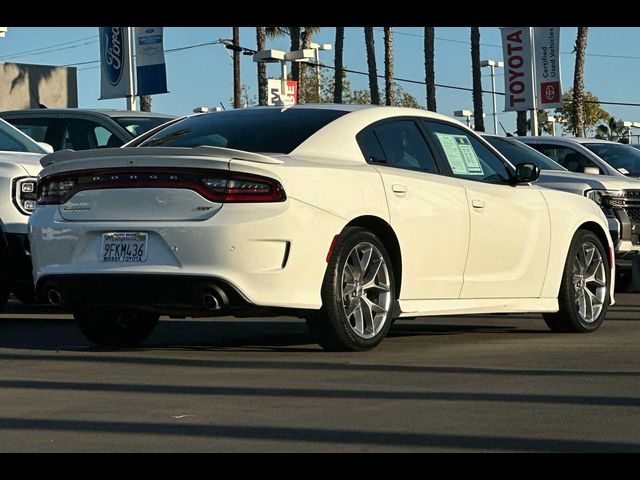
(477, 203)
(398, 188)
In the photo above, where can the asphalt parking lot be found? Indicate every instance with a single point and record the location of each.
(484, 383)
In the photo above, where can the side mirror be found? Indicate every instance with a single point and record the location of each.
(527, 173)
(45, 146)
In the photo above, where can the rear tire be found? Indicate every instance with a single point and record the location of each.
(358, 294)
(584, 290)
(116, 328)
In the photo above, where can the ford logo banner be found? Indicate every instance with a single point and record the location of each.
(115, 61)
(113, 54)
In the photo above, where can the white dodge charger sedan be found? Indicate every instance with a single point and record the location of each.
(350, 216)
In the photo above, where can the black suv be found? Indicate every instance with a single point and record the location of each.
(83, 129)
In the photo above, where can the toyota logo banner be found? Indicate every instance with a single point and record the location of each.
(546, 51)
(150, 67)
(115, 63)
(532, 68)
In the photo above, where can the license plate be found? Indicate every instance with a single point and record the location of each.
(124, 247)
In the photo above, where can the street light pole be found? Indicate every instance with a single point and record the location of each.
(492, 64)
(467, 114)
(279, 56)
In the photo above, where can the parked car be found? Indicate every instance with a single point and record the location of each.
(347, 215)
(579, 154)
(19, 167)
(83, 129)
(606, 190)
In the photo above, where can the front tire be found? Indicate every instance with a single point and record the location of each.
(116, 328)
(358, 294)
(584, 290)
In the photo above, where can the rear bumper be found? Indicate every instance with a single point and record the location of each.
(274, 254)
(165, 294)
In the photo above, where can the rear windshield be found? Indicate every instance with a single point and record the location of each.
(517, 152)
(261, 130)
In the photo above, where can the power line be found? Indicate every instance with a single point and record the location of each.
(601, 55)
(50, 48)
(170, 50)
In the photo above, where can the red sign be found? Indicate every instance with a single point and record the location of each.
(292, 91)
(516, 46)
(549, 92)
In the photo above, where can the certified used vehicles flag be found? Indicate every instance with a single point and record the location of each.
(150, 66)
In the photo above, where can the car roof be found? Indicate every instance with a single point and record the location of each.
(362, 111)
(100, 111)
(563, 140)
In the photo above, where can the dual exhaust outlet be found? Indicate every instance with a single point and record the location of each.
(213, 299)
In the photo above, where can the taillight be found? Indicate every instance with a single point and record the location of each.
(216, 185)
(24, 194)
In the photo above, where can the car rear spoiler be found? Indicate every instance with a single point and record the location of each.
(201, 151)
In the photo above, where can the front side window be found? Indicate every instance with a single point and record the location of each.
(81, 134)
(404, 146)
(622, 157)
(466, 155)
(569, 158)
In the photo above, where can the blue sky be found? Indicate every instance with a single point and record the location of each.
(203, 76)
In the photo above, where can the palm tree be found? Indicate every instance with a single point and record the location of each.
(429, 67)
(476, 71)
(237, 87)
(578, 81)
(261, 41)
(522, 124)
(337, 62)
(388, 66)
(307, 38)
(371, 62)
(145, 103)
(294, 33)
(613, 131)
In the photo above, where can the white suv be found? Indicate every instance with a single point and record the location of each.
(19, 167)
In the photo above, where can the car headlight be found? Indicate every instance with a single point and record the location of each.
(24, 194)
(604, 197)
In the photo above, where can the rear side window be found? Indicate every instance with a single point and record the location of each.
(259, 130)
(370, 147)
(11, 140)
(404, 146)
(35, 128)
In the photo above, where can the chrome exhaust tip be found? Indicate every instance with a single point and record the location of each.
(210, 302)
(54, 297)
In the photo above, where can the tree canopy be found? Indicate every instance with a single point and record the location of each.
(593, 113)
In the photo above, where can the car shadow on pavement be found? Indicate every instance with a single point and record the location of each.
(290, 335)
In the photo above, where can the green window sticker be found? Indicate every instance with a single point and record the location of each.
(460, 154)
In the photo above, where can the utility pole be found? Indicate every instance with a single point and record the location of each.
(131, 97)
(237, 88)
